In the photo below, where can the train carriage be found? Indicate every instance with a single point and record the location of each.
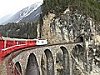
(8, 45)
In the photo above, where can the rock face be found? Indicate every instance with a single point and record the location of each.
(72, 26)
(67, 27)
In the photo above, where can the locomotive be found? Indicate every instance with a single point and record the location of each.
(9, 45)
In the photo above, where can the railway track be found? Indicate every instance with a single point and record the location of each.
(15, 53)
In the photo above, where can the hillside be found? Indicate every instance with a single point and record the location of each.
(23, 24)
(68, 20)
(88, 7)
(75, 21)
(19, 30)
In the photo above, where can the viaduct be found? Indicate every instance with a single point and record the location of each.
(54, 59)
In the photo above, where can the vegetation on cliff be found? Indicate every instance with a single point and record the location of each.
(88, 7)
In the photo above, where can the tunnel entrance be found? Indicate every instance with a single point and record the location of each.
(32, 66)
(79, 39)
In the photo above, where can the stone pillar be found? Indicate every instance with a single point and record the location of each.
(86, 59)
(71, 65)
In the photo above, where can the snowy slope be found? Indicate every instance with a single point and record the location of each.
(29, 13)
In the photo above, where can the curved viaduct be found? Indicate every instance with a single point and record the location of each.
(42, 60)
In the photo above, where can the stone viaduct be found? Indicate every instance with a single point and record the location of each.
(54, 59)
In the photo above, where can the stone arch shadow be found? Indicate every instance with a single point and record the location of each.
(17, 69)
(32, 66)
(77, 56)
(66, 61)
(48, 63)
(78, 52)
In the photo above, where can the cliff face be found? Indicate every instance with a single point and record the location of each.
(73, 26)
(70, 26)
(46, 27)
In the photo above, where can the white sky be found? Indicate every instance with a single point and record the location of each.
(11, 6)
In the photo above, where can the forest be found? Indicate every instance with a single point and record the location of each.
(19, 30)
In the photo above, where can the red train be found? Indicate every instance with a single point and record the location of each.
(8, 45)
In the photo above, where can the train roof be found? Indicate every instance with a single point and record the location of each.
(19, 39)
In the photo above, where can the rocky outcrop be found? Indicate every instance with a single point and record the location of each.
(72, 26)
(67, 27)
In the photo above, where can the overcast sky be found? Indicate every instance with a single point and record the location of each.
(12, 6)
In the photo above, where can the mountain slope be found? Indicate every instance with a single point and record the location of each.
(32, 16)
(30, 13)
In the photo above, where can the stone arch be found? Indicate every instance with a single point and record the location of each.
(66, 67)
(78, 52)
(49, 62)
(32, 66)
(17, 69)
(77, 58)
